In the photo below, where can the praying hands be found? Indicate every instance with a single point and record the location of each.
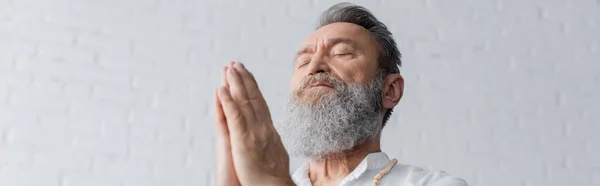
(249, 149)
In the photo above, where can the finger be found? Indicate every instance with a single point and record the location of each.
(220, 121)
(226, 175)
(233, 113)
(240, 95)
(225, 170)
(224, 74)
(254, 95)
(224, 77)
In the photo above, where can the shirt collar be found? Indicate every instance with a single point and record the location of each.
(301, 175)
(375, 160)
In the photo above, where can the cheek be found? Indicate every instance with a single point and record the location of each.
(349, 75)
(354, 71)
(295, 81)
(359, 73)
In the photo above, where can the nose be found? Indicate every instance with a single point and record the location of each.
(318, 64)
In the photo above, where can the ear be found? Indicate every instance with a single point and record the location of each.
(393, 89)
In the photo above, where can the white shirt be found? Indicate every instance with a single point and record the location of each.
(400, 175)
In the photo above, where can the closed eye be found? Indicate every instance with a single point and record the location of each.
(343, 55)
(303, 63)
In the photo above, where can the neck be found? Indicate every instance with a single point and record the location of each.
(332, 169)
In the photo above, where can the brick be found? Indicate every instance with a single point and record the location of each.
(104, 45)
(30, 31)
(67, 53)
(37, 102)
(13, 47)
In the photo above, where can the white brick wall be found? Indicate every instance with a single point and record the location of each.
(119, 92)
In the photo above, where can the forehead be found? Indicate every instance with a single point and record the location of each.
(339, 30)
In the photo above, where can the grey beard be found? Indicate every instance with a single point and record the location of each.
(336, 122)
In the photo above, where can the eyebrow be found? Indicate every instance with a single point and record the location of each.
(305, 50)
(331, 42)
(335, 41)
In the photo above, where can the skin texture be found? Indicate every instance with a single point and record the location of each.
(336, 49)
(249, 149)
(224, 160)
(256, 152)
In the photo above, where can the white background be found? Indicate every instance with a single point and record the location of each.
(120, 92)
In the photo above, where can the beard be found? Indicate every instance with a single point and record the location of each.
(319, 123)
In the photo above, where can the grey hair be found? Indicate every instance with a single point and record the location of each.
(389, 55)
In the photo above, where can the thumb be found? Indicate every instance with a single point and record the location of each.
(226, 175)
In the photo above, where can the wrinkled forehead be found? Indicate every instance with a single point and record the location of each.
(340, 30)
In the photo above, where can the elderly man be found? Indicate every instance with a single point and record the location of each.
(345, 84)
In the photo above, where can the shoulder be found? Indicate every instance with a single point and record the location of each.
(418, 176)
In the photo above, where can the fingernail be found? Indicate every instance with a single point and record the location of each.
(240, 65)
(233, 71)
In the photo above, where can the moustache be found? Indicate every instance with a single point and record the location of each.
(335, 82)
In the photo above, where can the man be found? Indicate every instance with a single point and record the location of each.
(345, 84)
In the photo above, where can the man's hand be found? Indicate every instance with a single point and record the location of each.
(226, 175)
(259, 157)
